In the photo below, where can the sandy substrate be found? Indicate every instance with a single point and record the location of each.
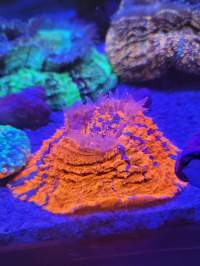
(27, 223)
(177, 115)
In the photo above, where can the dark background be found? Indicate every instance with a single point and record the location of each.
(98, 11)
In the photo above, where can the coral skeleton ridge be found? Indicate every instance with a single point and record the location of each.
(148, 38)
(107, 156)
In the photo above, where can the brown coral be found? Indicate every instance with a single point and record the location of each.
(146, 39)
(107, 156)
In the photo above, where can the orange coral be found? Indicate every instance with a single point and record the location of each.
(107, 156)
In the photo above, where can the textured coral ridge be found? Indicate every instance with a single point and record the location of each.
(15, 150)
(147, 38)
(107, 156)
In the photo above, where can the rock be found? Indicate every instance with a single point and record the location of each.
(26, 109)
(107, 156)
(148, 38)
(15, 150)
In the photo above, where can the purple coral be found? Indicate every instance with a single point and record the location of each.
(27, 109)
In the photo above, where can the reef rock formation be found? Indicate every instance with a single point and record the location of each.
(108, 155)
(46, 53)
(147, 38)
(15, 150)
(27, 109)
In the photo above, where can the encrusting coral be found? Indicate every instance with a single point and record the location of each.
(107, 156)
(15, 150)
(57, 54)
(147, 38)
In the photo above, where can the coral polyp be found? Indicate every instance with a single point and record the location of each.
(107, 156)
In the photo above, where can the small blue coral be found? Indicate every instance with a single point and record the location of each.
(15, 150)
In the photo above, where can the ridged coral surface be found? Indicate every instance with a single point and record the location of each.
(147, 38)
(107, 156)
(15, 150)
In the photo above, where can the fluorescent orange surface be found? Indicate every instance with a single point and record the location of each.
(107, 156)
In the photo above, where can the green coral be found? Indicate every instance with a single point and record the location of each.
(36, 53)
(20, 80)
(56, 40)
(94, 74)
(25, 56)
(58, 56)
(15, 150)
(61, 91)
(49, 47)
(90, 77)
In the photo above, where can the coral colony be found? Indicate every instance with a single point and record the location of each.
(107, 156)
(99, 137)
(51, 54)
(147, 38)
(45, 67)
(25, 109)
(15, 150)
